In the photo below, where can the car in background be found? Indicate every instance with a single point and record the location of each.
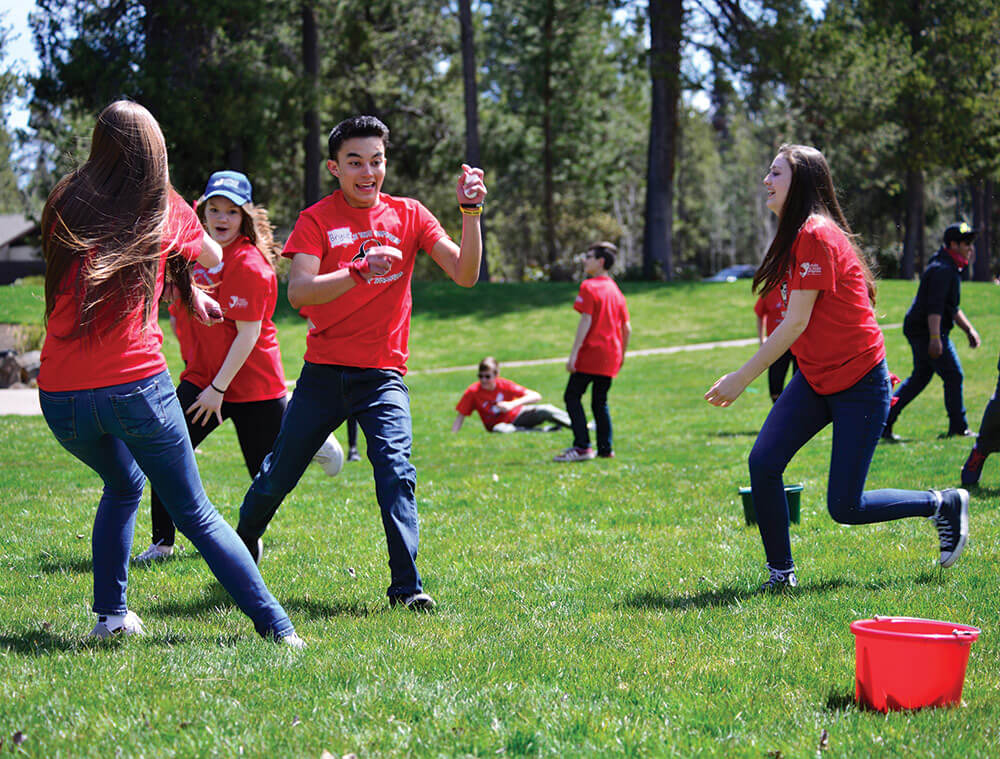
(733, 273)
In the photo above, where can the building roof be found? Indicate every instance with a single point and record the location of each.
(14, 226)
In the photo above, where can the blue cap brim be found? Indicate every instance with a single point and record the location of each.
(230, 196)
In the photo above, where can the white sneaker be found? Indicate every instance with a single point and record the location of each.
(292, 640)
(330, 456)
(503, 427)
(156, 552)
(130, 625)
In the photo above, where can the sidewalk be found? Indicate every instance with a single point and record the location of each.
(24, 402)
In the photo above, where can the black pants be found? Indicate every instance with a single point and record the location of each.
(776, 373)
(575, 388)
(989, 429)
(257, 424)
(352, 432)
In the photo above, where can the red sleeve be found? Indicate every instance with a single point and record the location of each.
(812, 260)
(759, 308)
(247, 291)
(468, 403)
(510, 389)
(584, 302)
(183, 232)
(430, 229)
(306, 237)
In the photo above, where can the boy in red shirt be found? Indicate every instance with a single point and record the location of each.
(505, 406)
(597, 354)
(352, 261)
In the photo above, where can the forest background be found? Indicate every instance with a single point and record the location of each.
(650, 124)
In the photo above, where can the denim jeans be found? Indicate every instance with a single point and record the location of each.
(947, 366)
(858, 415)
(325, 395)
(575, 388)
(989, 428)
(126, 433)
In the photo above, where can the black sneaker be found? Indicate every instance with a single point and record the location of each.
(780, 579)
(973, 468)
(952, 522)
(888, 436)
(255, 547)
(414, 601)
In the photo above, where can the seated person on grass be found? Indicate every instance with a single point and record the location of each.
(505, 406)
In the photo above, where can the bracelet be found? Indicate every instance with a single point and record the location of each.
(471, 209)
(212, 385)
(935, 337)
(357, 270)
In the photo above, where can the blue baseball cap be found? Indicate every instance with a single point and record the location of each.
(230, 184)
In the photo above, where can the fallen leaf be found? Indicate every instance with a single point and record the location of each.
(351, 572)
(18, 738)
(80, 536)
(776, 754)
(824, 740)
(46, 625)
(296, 720)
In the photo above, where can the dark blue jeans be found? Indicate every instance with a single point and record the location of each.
(126, 433)
(575, 388)
(324, 397)
(947, 366)
(989, 428)
(858, 415)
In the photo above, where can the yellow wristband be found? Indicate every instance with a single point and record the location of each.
(935, 337)
(475, 211)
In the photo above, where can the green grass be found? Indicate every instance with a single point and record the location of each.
(599, 609)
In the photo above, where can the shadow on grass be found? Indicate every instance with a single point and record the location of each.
(46, 643)
(981, 492)
(722, 596)
(54, 564)
(216, 597)
(735, 433)
(841, 701)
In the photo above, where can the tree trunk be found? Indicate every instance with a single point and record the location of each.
(913, 236)
(310, 116)
(472, 156)
(548, 169)
(981, 223)
(665, 18)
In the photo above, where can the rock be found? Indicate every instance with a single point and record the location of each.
(30, 363)
(10, 370)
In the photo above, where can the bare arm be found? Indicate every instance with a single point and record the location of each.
(934, 347)
(729, 387)
(581, 333)
(211, 253)
(761, 331)
(457, 424)
(530, 396)
(461, 262)
(209, 401)
(626, 336)
(966, 326)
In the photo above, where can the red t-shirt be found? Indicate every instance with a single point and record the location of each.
(128, 350)
(475, 398)
(842, 341)
(601, 351)
(369, 325)
(771, 308)
(247, 290)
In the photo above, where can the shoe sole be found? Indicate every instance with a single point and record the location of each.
(963, 530)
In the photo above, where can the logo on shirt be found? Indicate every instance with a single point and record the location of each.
(806, 268)
(235, 301)
(784, 292)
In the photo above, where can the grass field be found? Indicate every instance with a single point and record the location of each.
(597, 609)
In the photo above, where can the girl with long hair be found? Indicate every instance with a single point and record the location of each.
(830, 326)
(233, 369)
(114, 228)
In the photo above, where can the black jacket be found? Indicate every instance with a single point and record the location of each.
(939, 293)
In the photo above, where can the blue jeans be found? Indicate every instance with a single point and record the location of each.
(858, 415)
(575, 388)
(947, 366)
(325, 395)
(126, 433)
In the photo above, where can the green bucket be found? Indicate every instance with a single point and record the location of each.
(792, 492)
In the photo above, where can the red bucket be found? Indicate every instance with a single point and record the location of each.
(909, 663)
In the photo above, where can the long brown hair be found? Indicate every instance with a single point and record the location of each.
(107, 216)
(809, 192)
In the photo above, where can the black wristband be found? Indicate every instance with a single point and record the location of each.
(212, 385)
(471, 205)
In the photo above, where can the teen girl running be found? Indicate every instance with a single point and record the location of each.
(233, 369)
(831, 329)
(112, 229)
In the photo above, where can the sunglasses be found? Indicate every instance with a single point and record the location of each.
(486, 376)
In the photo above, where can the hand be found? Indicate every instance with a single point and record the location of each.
(571, 364)
(381, 259)
(726, 389)
(934, 347)
(206, 308)
(505, 405)
(207, 404)
(471, 188)
(974, 341)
